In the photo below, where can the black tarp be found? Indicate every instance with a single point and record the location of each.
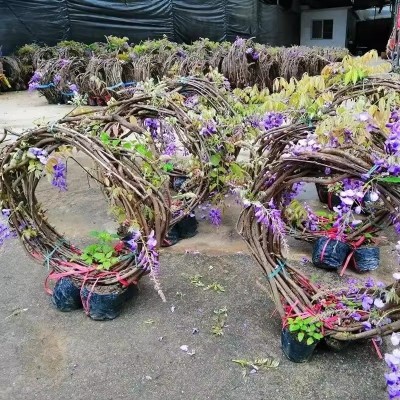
(49, 21)
(41, 21)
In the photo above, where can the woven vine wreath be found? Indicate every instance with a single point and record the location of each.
(145, 203)
(166, 122)
(264, 223)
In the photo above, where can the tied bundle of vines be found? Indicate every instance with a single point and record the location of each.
(134, 185)
(187, 127)
(350, 146)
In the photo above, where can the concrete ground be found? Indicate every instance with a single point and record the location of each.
(46, 354)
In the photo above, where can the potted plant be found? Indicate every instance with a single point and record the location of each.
(300, 337)
(104, 302)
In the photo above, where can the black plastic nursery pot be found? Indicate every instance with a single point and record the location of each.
(66, 295)
(187, 226)
(366, 258)
(329, 253)
(326, 197)
(184, 229)
(106, 303)
(172, 237)
(298, 352)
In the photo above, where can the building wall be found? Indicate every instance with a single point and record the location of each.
(340, 19)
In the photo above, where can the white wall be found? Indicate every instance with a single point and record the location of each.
(339, 16)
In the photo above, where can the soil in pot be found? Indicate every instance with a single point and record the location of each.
(66, 295)
(366, 258)
(106, 302)
(298, 352)
(329, 253)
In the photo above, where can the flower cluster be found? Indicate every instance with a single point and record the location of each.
(74, 89)
(209, 129)
(270, 218)
(312, 221)
(272, 120)
(393, 362)
(239, 41)
(148, 258)
(153, 125)
(310, 144)
(35, 81)
(59, 179)
(40, 154)
(57, 79)
(5, 231)
(288, 196)
(215, 216)
(253, 54)
(191, 101)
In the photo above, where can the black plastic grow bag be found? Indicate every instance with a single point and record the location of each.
(294, 350)
(106, 306)
(329, 253)
(66, 295)
(366, 258)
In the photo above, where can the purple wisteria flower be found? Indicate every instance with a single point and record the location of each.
(254, 122)
(63, 62)
(312, 223)
(366, 302)
(133, 242)
(40, 154)
(148, 256)
(393, 362)
(35, 81)
(5, 230)
(170, 149)
(270, 217)
(209, 129)
(310, 144)
(239, 41)
(253, 54)
(180, 53)
(191, 101)
(73, 88)
(272, 120)
(215, 216)
(153, 125)
(59, 179)
(57, 79)
(293, 193)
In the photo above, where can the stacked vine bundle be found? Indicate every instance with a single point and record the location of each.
(99, 70)
(339, 132)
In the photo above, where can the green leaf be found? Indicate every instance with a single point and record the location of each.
(215, 159)
(390, 179)
(168, 167)
(317, 336)
(300, 336)
(310, 341)
(294, 327)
